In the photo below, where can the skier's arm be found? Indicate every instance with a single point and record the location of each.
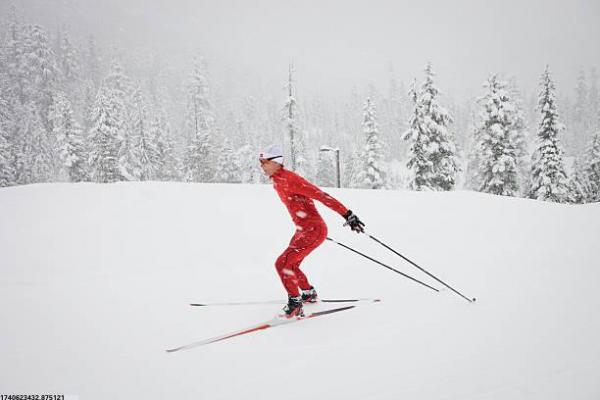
(305, 188)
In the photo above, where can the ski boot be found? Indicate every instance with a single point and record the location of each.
(294, 307)
(309, 295)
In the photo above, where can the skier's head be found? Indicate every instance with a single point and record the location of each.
(271, 160)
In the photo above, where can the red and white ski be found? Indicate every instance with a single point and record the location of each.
(277, 321)
(261, 302)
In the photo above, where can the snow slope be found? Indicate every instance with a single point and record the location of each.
(95, 282)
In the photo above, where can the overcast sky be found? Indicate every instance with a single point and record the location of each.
(339, 44)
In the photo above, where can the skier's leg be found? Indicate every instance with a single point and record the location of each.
(285, 269)
(313, 239)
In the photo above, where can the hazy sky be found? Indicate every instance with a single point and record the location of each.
(339, 44)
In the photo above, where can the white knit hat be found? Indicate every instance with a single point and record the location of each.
(272, 153)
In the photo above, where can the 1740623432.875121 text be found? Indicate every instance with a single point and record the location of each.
(32, 397)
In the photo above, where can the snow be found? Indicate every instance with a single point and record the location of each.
(96, 279)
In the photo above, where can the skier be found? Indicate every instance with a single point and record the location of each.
(297, 194)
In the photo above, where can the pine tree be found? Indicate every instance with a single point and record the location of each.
(248, 164)
(291, 123)
(69, 60)
(418, 163)
(441, 149)
(326, 169)
(160, 131)
(592, 170)
(229, 166)
(496, 143)
(548, 177)
(145, 154)
(371, 175)
(199, 161)
(105, 136)
(69, 138)
(579, 130)
(7, 170)
(433, 158)
(521, 139)
(594, 102)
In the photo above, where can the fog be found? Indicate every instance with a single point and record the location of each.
(340, 45)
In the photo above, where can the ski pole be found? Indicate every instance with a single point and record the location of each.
(431, 275)
(382, 264)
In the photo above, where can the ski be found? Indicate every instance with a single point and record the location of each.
(260, 302)
(277, 321)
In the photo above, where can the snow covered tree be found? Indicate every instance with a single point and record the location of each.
(69, 138)
(594, 102)
(521, 139)
(592, 170)
(160, 131)
(145, 155)
(106, 136)
(433, 158)
(371, 174)
(496, 141)
(249, 170)
(291, 123)
(200, 127)
(419, 164)
(229, 166)
(69, 60)
(7, 170)
(548, 177)
(92, 63)
(579, 130)
(326, 169)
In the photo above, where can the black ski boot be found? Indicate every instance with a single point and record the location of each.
(294, 307)
(309, 296)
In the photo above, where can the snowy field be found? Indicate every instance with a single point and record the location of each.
(95, 282)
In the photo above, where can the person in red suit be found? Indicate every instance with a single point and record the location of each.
(297, 194)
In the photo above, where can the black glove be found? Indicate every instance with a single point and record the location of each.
(355, 224)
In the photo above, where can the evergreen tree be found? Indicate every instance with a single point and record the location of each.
(371, 175)
(248, 164)
(161, 132)
(69, 60)
(433, 151)
(291, 122)
(7, 170)
(496, 143)
(418, 163)
(228, 165)
(199, 161)
(592, 170)
(92, 61)
(145, 154)
(548, 177)
(326, 169)
(441, 149)
(69, 138)
(105, 136)
(580, 127)
(521, 138)
(594, 102)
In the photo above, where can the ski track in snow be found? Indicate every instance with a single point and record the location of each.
(96, 280)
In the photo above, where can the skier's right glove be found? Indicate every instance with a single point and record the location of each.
(355, 224)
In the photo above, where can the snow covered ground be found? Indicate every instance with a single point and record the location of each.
(95, 282)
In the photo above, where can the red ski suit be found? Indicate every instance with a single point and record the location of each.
(297, 194)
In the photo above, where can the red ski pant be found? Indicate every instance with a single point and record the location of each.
(304, 241)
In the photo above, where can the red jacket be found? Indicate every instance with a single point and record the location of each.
(298, 194)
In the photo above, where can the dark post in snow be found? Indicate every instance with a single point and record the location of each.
(337, 163)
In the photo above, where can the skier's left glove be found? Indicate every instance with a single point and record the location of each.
(355, 224)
